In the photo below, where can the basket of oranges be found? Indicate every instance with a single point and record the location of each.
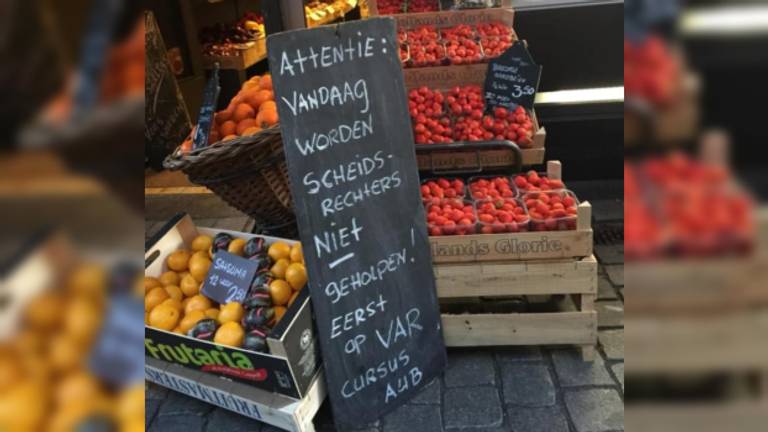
(244, 162)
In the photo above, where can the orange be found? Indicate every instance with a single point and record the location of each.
(174, 292)
(184, 303)
(164, 317)
(186, 146)
(201, 243)
(190, 320)
(268, 106)
(223, 116)
(251, 131)
(280, 291)
(89, 280)
(236, 246)
(77, 385)
(213, 136)
(179, 260)
(227, 128)
(199, 255)
(230, 334)
(190, 286)
(280, 267)
(198, 302)
(82, 318)
(293, 298)
(154, 297)
(248, 85)
(235, 101)
(64, 353)
(150, 282)
(232, 311)
(45, 311)
(297, 254)
(199, 268)
(146, 317)
(263, 96)
(279, 312)
(212, 313)
(245, 124)
(266, 118)
(279, 250)
(169, 278)
(266, 82)
(229, 137)
(173, 302)
(242, 112)
(296, 275)
(249, 97)
(177, 330)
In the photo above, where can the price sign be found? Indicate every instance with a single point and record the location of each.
(512, 79)
(229, 278)
(204, 120)
(355, 185)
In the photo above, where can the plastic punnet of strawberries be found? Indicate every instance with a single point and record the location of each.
(533, 181)
(451, 217)
(491, 188)
(430, 124)
(494, 46)
(433, 191)
(502, 215)
(494, 29)
(551, 211)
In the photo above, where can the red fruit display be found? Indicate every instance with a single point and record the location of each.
(551, 211)
(389, 7)
(533, 181)
(451, 217)
(423, 34)
(651, 71)
(494, 46)
(459, 32)
(430, 124)
(502, 215)
(423, 6)
(430, 53)
(441, 188)
(491, 188)
(494, 29)
(463, 51)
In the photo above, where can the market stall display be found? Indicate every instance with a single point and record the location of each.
(393, 7)
(246, 341)
(322, 12)
(237, 45)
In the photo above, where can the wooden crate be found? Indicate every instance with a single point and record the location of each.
(247, 57)
(532, 245)
(573, 323)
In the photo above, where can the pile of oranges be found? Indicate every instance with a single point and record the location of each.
(252, 109)
(46, 383)
(174, 301)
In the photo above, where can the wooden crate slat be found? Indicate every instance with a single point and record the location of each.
(517, 278)
(572, 328)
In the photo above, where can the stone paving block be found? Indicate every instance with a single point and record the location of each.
(610, 313)
(403, 419)
(610, 254)
(472, 407)
(605, 290)
(618, 371)
(151, 407)
(612, 342)
(224, 420)
(541, 419)
(179, 404)
(469, 369)
(595, 410)
(573, 371)
(178, 423)
(429, 395)
(615, 274)
(527, 384)
(514, 354)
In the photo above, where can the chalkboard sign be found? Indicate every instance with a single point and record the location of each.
(349, 148)
(117, 357)
(204, 120)
(167, 120)
(512, 79)
(229, 278)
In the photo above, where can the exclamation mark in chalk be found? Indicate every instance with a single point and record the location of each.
(413, 242)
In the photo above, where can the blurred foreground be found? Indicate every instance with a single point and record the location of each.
(696, 225)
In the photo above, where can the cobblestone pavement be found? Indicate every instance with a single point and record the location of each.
(483, 390)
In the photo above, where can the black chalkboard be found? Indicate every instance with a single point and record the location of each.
(115, 357)
(512, 79)
(207, 108)
(167, 120)
(355, 185)
(229, 277)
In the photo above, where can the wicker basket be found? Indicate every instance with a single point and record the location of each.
(249, 173)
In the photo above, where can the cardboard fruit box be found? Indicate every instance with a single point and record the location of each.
(293, 359)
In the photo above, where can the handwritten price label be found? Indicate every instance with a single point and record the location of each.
(512, 79)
